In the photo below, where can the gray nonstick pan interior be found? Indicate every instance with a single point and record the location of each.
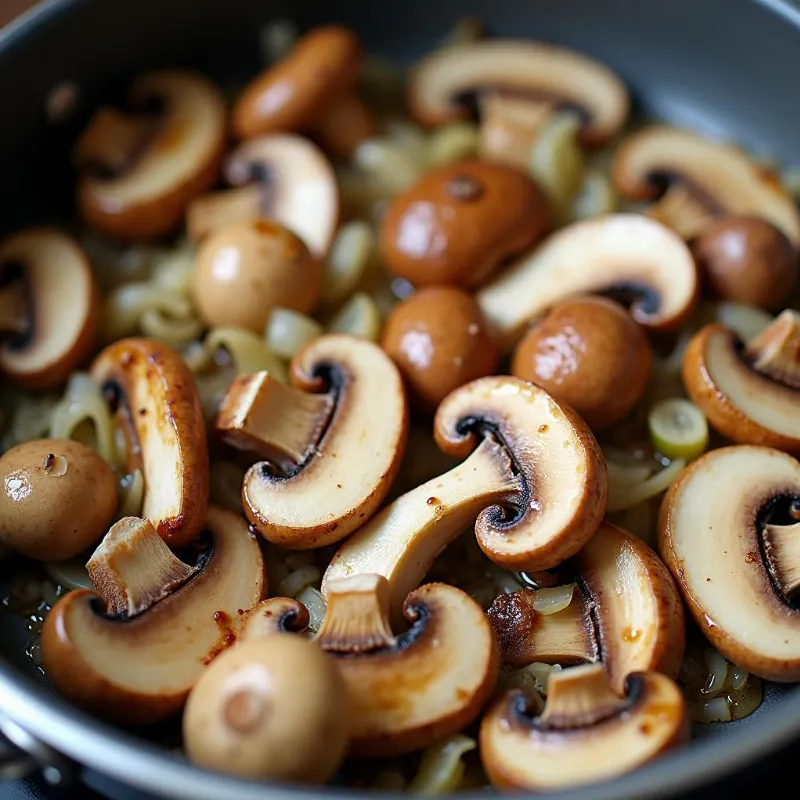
(719, 66)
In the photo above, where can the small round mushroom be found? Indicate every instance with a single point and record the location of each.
(747, 260)
(589, 353)
(49, 308)
(704, 180)
(139, 172)
(729, 532)
(534, 486)
(460, 222)
(627, 256)
(332, 441)
(132, 651)
(246, 269)
(586, 733)
(269, 709)
(749, 394)
(284, 178)
(438, 339)
(58, 498)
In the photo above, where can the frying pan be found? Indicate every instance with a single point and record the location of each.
(720, 66)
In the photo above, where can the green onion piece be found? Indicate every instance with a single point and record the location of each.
(678, 428)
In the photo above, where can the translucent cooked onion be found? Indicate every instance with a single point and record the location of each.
(155, 324)
(289, 331)
(441, 767)
(596, 196)
(131, 494)
(736, 678)
(247, 350)
(622, 497)
(173, 269)
(299, 579)
(409, 136)
(678, 428)
(316, 606)
(359, 316)
(747, 699)
(125, 306)
(551, 601)
(627, 474)
(747, 321)
(352, 250)
(452, 142)
(300, 558)
(392, 166)
(714, 710)
(71, 573)
(717, 672)
(226, 485)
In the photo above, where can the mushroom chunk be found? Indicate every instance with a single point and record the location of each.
(586, 733)
(409, 690)
(284, 178)
(157, 409)
(275, 615)
(534, 485)
(333, 443)
(626, 256)
(58, 498)
(49, 307)
(704, 180)
(139, 172)
(749, 394)
(626, 613)
(728, 531)
(132, 653)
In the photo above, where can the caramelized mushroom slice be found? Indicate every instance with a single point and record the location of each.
(276, 615)
(749, 394)
(625, 612)
(728, 531)
(587, 732)
(333, 441)
(157, 409)
(534, 485)
(705, 180)
(409, 690)
(626, 256)
(283, 177)
(132, 653)
(49, 307)
(138, 173)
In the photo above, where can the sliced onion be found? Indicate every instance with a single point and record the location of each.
(714, 710)
(393, 166)
(746, 700)
(299, 579)
(596, 196)
(627, 475)
(247, 350)
(737, 677)
(174, 331)
(441, 768)
(620, 498)
(352, 250)
(551, 601)
(289, 331)
(316, 606)
(358, 317)
(717, 672)
(70, 573)
(173, 269)
(678, 428)
(452, 142)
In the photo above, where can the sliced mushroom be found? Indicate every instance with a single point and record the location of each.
(138, 173)
(276, 615)
(409, 690)
(534, 485)
(626, 613)
(138, 668)
(157, 409)
(334, 441)
(626, 256)
(283, 177)
(49, 307)
(587, 732)
(728, 531)
(705, 180)
(749, 394)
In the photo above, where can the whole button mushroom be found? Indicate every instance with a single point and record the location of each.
(587, 352)
(246, 269)
(438, 339)
(460, 222)
(58, 498)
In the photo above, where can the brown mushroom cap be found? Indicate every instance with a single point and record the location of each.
(158, 408)
(728, 532)
(587, 733)
(438, 339)
(408, 691)
(709, 179)
(139, 669)
(460, 222)
(624, 255)
(534, 486)
(156, 165)
(58, 497)
(534, 71)
(274, 708)
(49, 307)
(589, 353)
(246, 269)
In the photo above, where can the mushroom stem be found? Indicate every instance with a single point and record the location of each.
(14, 317)
(776, 351)
(112, 141)
(682, 209)
(210, 212)
(782, 547)
(132, 568)
(579, 697)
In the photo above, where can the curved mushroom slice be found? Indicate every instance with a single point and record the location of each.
(136, 660)
(750, 395)
(587, 733)
(409, 690)
(535, 487)
(626, 613)
(728, 532)
(138, 173)
(705, 180)
(626, 256)
(158, 409)
(286, 178)
(276, 615)
(49, 307)
(338, 436)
